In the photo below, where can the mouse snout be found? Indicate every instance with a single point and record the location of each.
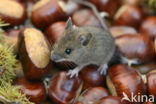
(55, 57)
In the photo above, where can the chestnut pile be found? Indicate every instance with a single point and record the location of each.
(35, 26)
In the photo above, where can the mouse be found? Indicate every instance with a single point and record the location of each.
(85, 45)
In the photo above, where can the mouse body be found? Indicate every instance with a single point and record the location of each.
(84, 46)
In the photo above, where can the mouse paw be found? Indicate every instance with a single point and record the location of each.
(73, 73)
(103, 69)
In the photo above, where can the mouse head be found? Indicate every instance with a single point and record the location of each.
(72, 45)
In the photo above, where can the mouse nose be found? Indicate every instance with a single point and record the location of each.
(55, 57)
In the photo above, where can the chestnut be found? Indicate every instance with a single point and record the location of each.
(155, 44)
(63, 89)
(111, 100)
(11, 38)
(87, 18)
(22, 1)
(149, 103)
(124, 80)
(129, 15)
(148, 26)
(35, 91)
(131, 2)
(136, 49)
(151, 83)
(12, 12)
(91, 77)
(26, 1)
(122, 30)
(109, 6)
(146, 67)
(55, 31)
(92, 94)
(34, 53)
(46, 12)
(70, 7)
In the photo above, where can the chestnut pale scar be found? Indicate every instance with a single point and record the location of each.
(40, 4)
(11, 8)
(37, 53)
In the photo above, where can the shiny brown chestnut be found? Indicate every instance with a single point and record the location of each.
(151, 83)
(111, 100)
(131, 2)
(12, 12)
(136, 48)
(109, 6)
(34, 52)
(91, 95)
(87, 18)
(35, 91)
(122, 79)
(129, 15)
(63, 89)
(55, 31)
(70, 7)
(45, 12)
(148, 26)
(91, 77)
(122, 30)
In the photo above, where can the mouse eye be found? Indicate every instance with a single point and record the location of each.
(68, 51)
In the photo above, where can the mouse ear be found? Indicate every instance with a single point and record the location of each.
(85, 39)
(69, 24)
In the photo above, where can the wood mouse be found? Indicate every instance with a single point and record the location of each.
(84, 46)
